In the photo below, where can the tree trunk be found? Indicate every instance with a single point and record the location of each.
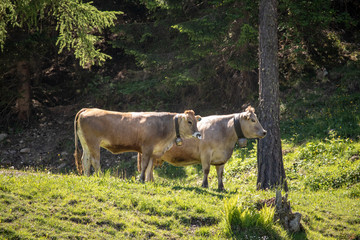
(271, 171)
(23, 103)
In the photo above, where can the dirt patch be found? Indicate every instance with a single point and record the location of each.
(47, 143)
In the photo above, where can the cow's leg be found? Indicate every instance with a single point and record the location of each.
(220, 172)
(145, 159)
(86, 163)
(95, 161)
(149, 171)
(206, 169)
(91, 154)
(152, 171)
(85, 158)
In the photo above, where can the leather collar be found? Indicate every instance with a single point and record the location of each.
(237, 126)
(177, 126)
(178, 140)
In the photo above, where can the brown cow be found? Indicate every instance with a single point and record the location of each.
(150, 133)
(219, 135)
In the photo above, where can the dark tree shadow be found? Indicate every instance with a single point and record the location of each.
(169, 171)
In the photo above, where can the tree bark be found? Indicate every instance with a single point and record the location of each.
(23, 103)
(271, 171)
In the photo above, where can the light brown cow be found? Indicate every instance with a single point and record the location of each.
(219, 135)
(150, 133)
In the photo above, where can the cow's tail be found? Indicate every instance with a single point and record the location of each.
(77, 153)
(139, 162)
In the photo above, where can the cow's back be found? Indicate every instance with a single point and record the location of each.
(216, 129)
(124, 132)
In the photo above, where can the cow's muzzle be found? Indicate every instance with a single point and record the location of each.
(264, 133)
(197, 135)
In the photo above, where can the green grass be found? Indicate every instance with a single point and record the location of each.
(321, 148)
(38, 205)
(35, 205)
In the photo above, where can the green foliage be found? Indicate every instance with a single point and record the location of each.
(133, 95)
(7, 12)
(76, 22)
(212, 45)
(325, 164)
(323, 152)
(354, 191)
(309, 113)
(334, 176)
(310, 38)
(242, 220)
(202, 44)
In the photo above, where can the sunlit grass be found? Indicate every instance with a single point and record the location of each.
(321, 149)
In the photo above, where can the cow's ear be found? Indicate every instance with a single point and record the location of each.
(190, 112)
(198, 118)
(181, 117)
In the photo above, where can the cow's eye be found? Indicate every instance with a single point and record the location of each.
(190, 122)
(253, 120)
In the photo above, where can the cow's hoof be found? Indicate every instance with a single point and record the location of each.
(205, 185)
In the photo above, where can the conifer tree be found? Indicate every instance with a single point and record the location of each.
(77, 23)
(196, 46)
(78, 26)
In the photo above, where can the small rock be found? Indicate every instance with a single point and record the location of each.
(25, 150)
(354, 158)
(3, 136)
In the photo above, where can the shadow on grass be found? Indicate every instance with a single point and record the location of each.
(262, 233)
(201, 190)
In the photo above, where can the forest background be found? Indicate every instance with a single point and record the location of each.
(172, 56)
(176, 55)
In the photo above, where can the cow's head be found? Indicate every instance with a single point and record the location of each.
(188, 125)
(250, 124)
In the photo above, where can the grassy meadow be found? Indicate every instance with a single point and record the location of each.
(321, 148)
